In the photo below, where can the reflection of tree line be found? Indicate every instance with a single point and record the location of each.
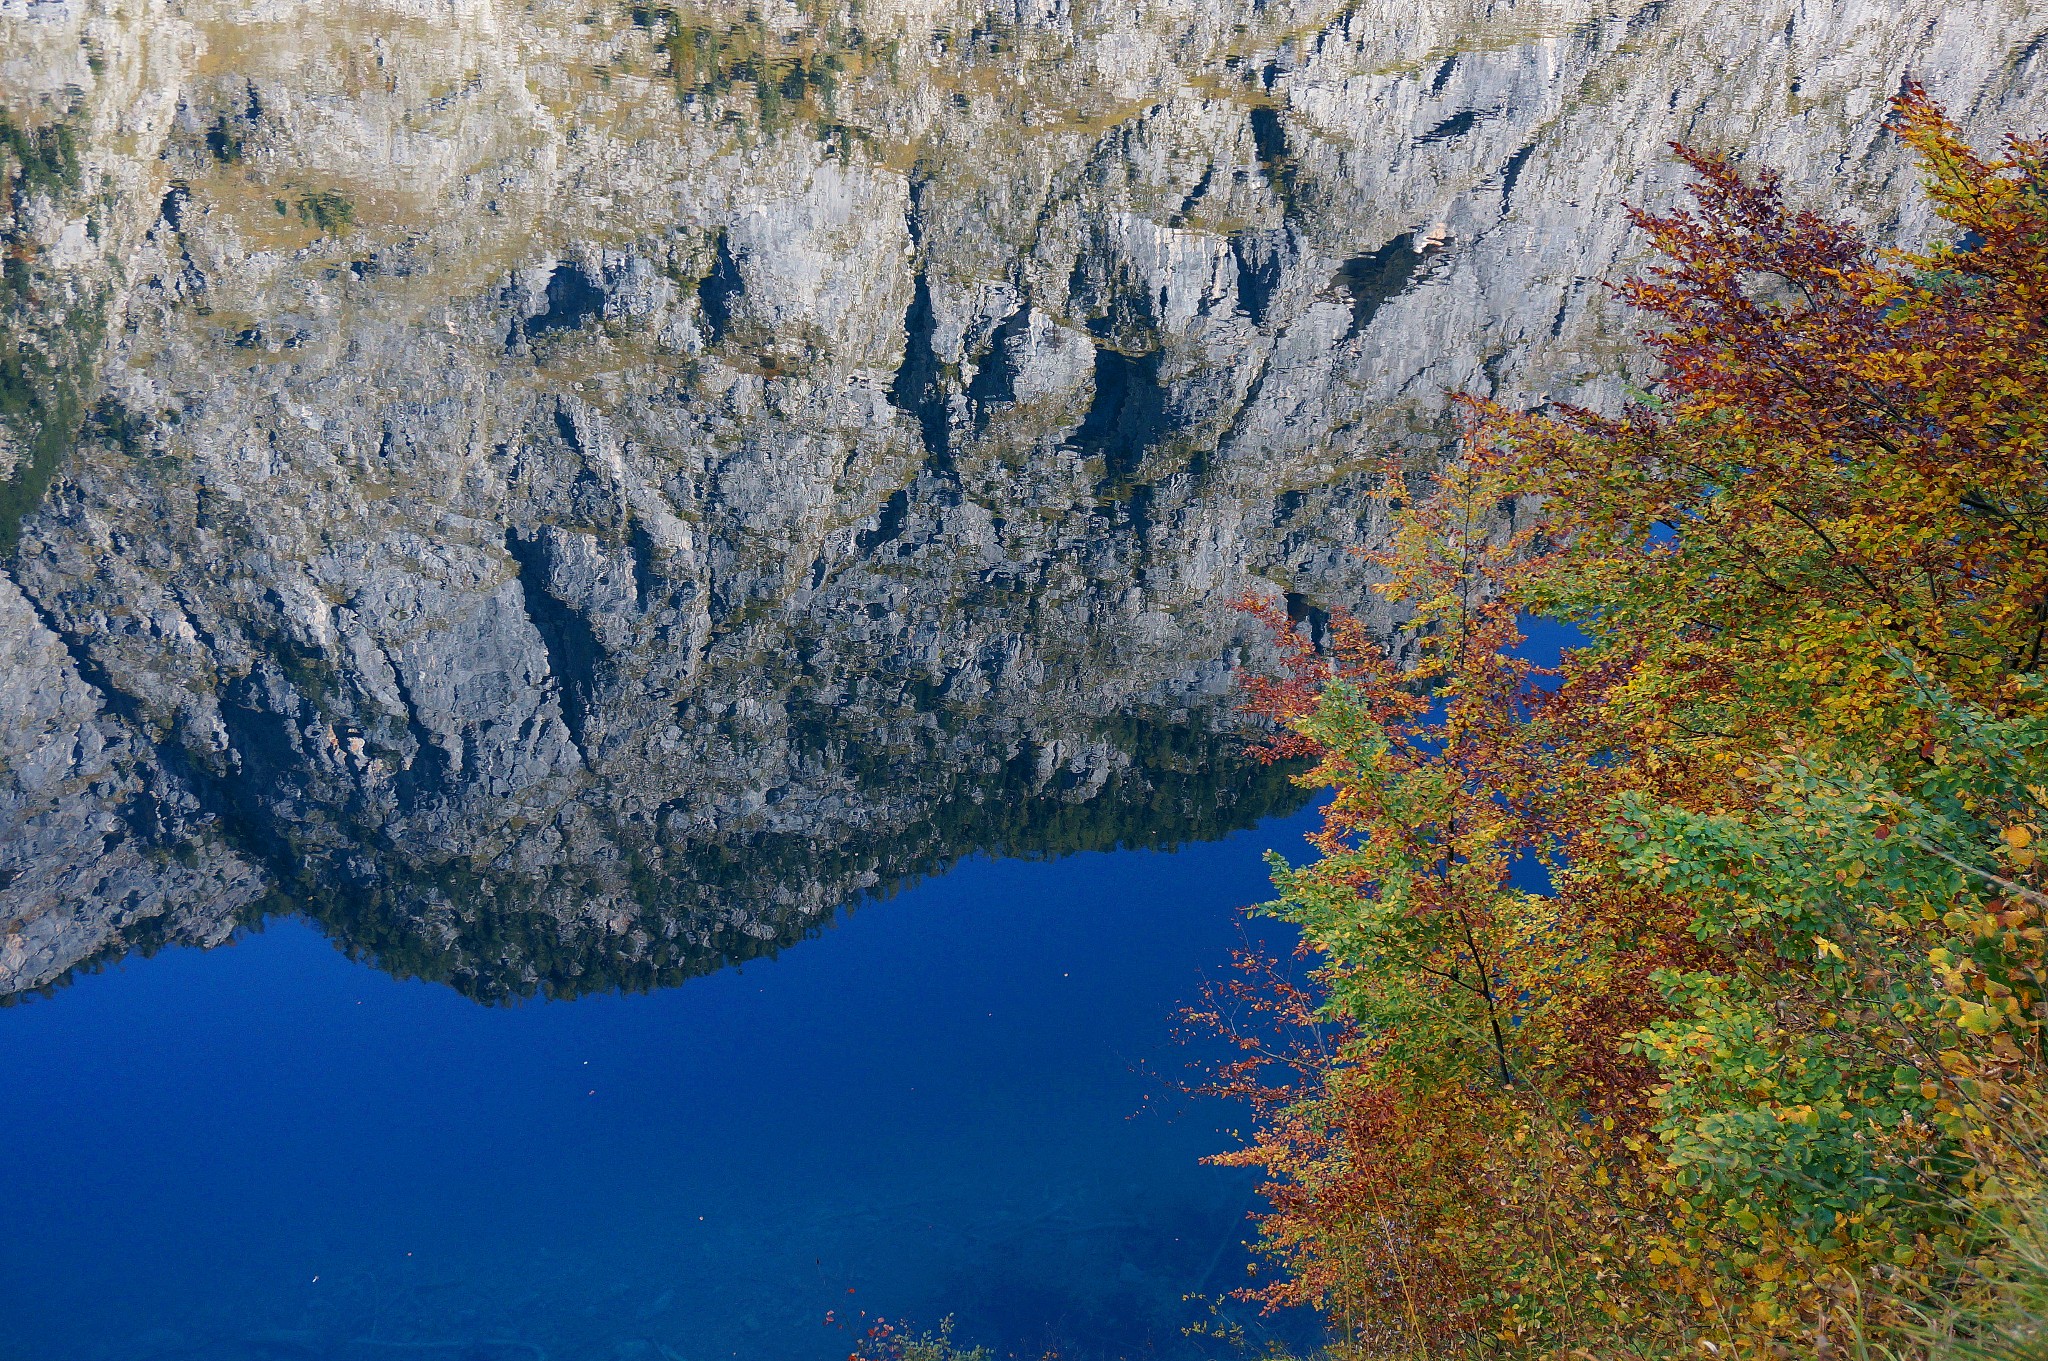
(738, 899)
(139, 939)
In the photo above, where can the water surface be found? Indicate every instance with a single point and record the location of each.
(964, 1101)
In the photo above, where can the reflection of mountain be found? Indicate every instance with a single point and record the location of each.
(571, 498)
(494, 938)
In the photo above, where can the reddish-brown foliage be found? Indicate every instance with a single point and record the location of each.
(1836, 506)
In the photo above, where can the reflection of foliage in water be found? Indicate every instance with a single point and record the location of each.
(496, 941)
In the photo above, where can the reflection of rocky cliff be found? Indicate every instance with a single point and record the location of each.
(571, 498)
(723, 902)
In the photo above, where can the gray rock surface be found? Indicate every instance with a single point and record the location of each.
(101, 850)
(570, 498)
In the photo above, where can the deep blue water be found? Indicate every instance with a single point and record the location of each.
(962, 1100)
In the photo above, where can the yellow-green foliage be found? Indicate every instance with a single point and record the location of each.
(1762, 1072)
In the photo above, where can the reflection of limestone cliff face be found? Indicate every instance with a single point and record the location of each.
(534, 457)
(685, 909)
(102, 850)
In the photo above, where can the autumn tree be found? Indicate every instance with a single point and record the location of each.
(1759, 1069)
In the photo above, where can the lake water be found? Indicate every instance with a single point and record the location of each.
(618, 651)
(964, 1101)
